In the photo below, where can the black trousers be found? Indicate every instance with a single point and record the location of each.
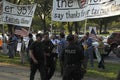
(72, 73)
(50, 67)
(101, 63)
(41, 69)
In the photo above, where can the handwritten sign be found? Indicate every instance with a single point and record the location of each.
(78, 10)
(20, 15)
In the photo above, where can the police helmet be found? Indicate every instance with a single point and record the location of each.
(70, 37)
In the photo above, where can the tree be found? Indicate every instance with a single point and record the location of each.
(104, 22)
(43, 10)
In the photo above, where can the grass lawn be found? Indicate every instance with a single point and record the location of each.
(16, 60)
(110, 73)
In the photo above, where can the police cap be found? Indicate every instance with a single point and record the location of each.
(70, 37)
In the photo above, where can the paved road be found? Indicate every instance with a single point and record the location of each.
(13, 72)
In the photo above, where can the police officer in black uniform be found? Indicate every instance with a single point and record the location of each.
(37, 58)
(49, 56)
(72, 57)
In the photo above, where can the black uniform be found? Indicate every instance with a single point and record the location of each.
(38, 53)
(50, 63)
(72, 57)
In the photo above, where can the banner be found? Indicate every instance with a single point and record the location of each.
(20, 15)
(78, 10)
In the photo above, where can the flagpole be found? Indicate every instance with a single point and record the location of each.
(3, 33)
(3, 29)
(4, 45)
(51, 26)
(29, 30)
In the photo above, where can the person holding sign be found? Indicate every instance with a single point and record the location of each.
(101, 51)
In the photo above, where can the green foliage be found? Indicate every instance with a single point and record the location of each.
(43, 7)
(115, 25)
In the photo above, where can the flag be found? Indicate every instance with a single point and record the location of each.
(81, 3)
(22, 32)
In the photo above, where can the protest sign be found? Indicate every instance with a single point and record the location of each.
(78, 10)
(20, 15)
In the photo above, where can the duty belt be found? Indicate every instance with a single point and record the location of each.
(73, 65)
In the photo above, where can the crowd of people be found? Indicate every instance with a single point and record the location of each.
(72, 53)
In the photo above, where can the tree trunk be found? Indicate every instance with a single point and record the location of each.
(44, 25)
(69, 28)
(76, 27)
(101, 25)
(10, 28)
(105, 27)
(100, 31)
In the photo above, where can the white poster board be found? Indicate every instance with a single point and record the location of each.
(19, 46)
(20, 15)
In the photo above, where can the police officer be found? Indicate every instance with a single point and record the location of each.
(72, 57)
(37, 58)
(49, 56)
